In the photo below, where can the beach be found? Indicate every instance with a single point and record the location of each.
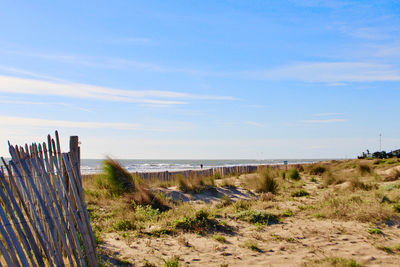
(334, 213)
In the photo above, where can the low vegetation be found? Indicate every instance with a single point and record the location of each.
(195, 184)
(364, 191)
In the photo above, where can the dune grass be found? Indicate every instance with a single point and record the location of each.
(339, 190)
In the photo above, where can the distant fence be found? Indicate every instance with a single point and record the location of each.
(43, 214)
(220, 171)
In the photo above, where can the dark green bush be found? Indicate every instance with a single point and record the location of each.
(258, 217)
(300, 193)
(317, 170)
(294, 174)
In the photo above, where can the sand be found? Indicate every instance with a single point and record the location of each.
(292, 242)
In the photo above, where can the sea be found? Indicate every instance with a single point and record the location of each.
(92, 166)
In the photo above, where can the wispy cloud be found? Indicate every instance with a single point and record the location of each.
(369, 33)
(327, 114)
(331, 72)
(323, 121)
(108, 62)
(254, 123)
(18, 102)
(130, 40)
(23, 121)
(16, 85)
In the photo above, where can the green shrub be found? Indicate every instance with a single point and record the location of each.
(317, 170)
(375, 231)
(287, 213)
(258, 217)
(251, 245)
(225, 201)
(201, 222)
(267, 183)
(300, 193)
(241, 204)
(116, 178)
(220, 238)
(123, 225)
(172, 262)
(396, 208)
(294, 174)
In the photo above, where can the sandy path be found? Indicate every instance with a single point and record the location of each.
(287, 244)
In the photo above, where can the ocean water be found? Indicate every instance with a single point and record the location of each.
(91, 166)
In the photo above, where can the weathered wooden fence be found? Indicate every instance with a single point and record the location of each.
(220, 171)
(43, 214)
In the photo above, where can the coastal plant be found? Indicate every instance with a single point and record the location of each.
(241, 204)
(317, 170)
(267, 183)
(266, 196)
(328, 178)
(172, 262)
(332, 261)
(123, 225)
(264, 181)
(287, 213)
(396, 208)
(220, 238)
(393, 176)
(300, 193)
(251, 244)
(356, 183)
(225, 201)
(375, 231)
(228, 183)
(116, 178)
(195, 184)
(294, 174)
(367, 208)
(202, 222)
(364, 168)
(258, 217)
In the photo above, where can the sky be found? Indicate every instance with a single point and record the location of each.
(202, 79)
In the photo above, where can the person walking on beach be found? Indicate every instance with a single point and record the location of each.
(201, 166)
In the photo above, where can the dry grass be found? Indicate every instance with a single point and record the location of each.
(265, 181)
(393, 176)
(357, 206)
(340, 192)
(195, 184)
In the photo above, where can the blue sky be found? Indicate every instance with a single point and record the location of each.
(202, 79)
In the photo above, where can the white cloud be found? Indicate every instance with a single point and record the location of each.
(16, 85)
(18, 102)
(254, 123)
(369, 33)
(331, 72)
(23, 121)
(327, 114)
(323, 121)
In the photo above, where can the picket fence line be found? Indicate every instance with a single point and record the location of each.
(217, 171)
(43, 214)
